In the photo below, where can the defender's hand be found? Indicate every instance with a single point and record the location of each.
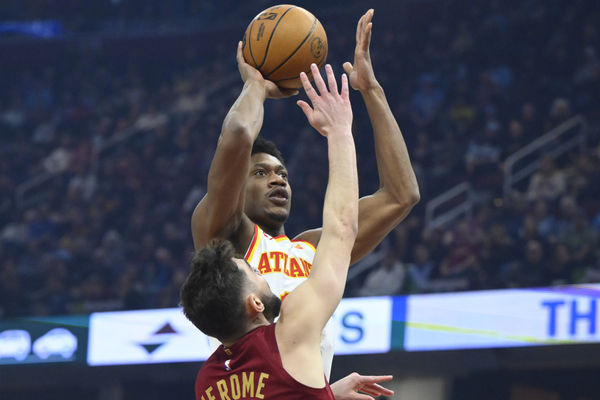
(248, 73)
(348, 388)
(361, 72)
(331, 111)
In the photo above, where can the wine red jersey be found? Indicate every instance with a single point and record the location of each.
(252, 369)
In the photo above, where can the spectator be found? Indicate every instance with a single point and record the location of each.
(516, 138)
(548, 183)
(531, 271)
(421, 271)
(387, 278)
(499, 250)
(561, 266)
(118, 227)
(427, 101)
(560, 111)
(580, 239)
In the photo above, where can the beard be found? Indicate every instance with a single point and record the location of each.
(272, 306)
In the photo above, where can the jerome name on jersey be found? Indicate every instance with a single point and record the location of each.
(244, 385)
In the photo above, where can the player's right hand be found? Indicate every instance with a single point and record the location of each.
(360, 74)
(349, 387)
(248, 73)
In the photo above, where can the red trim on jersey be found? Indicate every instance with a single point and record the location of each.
(252, 244)
(312, 246)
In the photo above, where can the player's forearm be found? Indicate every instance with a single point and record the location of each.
(340, 211)
(219, 212)
(393, 162)
(245, 117)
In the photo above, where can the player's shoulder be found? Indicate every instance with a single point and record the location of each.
(310, 237)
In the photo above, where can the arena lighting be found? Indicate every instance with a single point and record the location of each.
(42, 29)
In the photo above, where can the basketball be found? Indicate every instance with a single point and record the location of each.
(283, 41)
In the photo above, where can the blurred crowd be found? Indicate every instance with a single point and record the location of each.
(118, 151)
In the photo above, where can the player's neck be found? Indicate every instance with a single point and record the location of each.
(251, 326)
(273, 231)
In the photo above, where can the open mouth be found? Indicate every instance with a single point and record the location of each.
(279, 196)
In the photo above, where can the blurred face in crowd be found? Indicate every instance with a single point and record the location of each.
(421, 254)
(498, 234)
(547, 166)
(562, 255)
(268, 193)
(568, 206)
(540, 209)
(515, 129)
(528, 111)
(534, 251)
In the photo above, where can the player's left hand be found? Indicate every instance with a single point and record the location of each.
(361, 73)
(348, 388)
(331, 112)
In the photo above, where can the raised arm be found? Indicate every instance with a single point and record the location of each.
(220, 214)
(306, 310)
(398, 192)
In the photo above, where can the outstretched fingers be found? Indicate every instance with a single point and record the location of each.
(359, 28)
(308, 87)
(310, 92)
(376, 390)
(318, 79)
(306, 109)
(345, 91)
(363, 31)
(331, 82)
(369, 385)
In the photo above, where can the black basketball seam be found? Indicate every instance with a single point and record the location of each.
(250, 42)
(271, 37)
(320, 65)
(297, 48)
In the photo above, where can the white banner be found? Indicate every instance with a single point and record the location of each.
(503, 318)
(165, 335)
(363, 325)
(144, 337)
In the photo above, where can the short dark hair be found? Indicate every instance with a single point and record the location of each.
(262, 145)
(212, 294)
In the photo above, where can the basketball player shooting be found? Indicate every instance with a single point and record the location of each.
(248, 194)
(226, 298)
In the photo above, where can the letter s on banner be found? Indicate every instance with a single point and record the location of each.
(353, 331)
(363, 325)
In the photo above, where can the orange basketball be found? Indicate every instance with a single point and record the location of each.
(283, 41)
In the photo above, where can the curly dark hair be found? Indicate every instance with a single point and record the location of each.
(262, 145)
(212, 293)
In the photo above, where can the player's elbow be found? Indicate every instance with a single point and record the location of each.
(238, 130)
(344, 228)
(413, 197)
(348, 228)
(407, 199)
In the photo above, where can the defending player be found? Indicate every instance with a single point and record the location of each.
(228, 299)
(248, 195)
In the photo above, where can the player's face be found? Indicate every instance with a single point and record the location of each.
(268, 193)
(271, 302)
